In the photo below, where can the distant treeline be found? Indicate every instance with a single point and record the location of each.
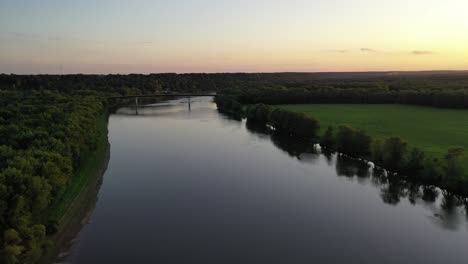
(439, 89)
(330, 95)
(43, 137)
(393, 153)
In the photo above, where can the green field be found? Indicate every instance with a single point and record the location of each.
(431, 129)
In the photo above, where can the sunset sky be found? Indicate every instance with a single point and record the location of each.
(149, 36)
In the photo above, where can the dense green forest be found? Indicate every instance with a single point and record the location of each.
(43, 135)
(49, 123)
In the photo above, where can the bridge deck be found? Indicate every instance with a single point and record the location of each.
(161, 95)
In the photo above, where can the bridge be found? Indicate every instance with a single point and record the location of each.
(186, 95)
(163, 95)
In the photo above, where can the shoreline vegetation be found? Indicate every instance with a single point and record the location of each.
(78, 200)
(392, 153)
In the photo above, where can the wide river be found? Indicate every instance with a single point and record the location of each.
(199, 187)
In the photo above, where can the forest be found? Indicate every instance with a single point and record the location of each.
(48, 124)
(43, 135)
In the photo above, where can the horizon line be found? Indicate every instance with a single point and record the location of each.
(245, 72)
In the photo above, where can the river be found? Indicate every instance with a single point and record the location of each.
(199, 187)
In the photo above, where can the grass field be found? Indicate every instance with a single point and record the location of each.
(431, 129)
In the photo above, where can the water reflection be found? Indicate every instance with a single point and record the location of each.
(448, 211)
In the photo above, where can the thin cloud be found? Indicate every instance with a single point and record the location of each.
(337, 51)
(20, 35)
(368, 50)
(31, 36)
(422, 52)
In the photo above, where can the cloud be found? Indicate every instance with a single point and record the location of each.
(31, 36)
(337, 51)
(422, 52)
(368, 50)
(20, 35)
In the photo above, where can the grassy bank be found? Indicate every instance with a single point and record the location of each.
(80, 195)
(92, 162)
(432, 130)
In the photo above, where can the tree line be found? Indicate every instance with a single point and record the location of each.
(439, 89)
(331, 95)
(399, 156)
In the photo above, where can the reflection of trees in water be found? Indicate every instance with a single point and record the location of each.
(448, 211)
(345, 167)
(466, 209)
(350, 168)
(414, 193)
(395, 190)
(392, 192)
(328, 156)
(292, 146)
(449, 216)
(379, 177)
(256, 128)
(430, 194)
(363, 170)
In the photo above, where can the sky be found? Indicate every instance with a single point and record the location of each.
(152, 36)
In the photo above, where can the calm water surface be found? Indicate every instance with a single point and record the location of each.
(199, 187)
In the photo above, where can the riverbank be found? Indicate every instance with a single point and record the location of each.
(77, 202)
(447, 170)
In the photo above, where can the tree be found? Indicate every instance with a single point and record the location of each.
(395, 151)
(454, 164)
(353, 142)
(259, 113)
(12, 249)
(328, 139)
(377, 150)
(433, 170)
(415, 162)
